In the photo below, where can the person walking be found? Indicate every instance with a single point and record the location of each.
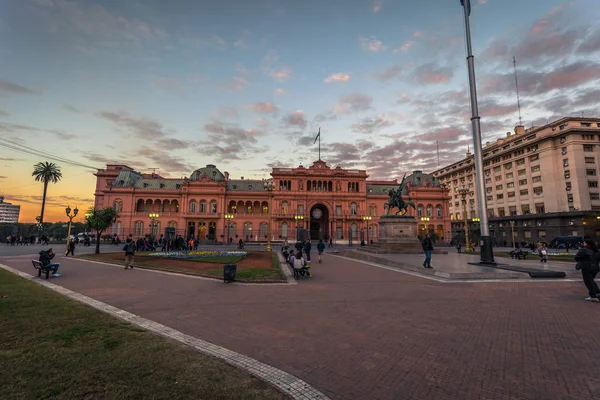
(320, 249)
(330, 241)
(71, 248)
(307, 247)
(588, 261)
(129, 248)
(543, 254)
(427, 245)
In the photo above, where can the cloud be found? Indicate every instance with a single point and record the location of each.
(140, 127)
(591, 43)
(237, 83)
(164, 160)
(390, 73)
(225, 113)
(231, 141)
(405, 47)
(377, 5)
(372, 125)
(296, 118)
(174, 144)
(337, 77)
(279, 91)
(353, 103)
(64, 136)
(4, 113)
(13, 88)
(417, 34)
(431, 74)
(445, 134)
(71, 108)
(371, 44)
(263, 108)
(243, 41)
(271, 67)
(3, 177)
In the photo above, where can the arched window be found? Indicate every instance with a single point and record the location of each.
(284, 230)
(233, 229)
(148, 205)
(192, 206)
(118, 205)
(232, 207)
(173, 224)
(213, 206)
(354, 231)
(248, 207)
(247, 229)
(308, 186)
(202, 208)
(138, 228)
(353, 209)
(139, 206)
(330, 186)
(285, 207)
(262, 230)
(373, 232)
(429, 210)
(175, 206)
(165, 205)
(438, 211)
(115, 229)
(420, 210)
(240, 207)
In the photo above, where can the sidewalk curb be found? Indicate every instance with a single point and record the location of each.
(285, 382)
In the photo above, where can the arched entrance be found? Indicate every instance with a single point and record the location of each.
(319, 222)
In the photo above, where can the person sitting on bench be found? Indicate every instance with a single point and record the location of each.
(46, 258)
(300, 265)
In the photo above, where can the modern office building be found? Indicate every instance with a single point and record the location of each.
(9, 213)
(318, 200)
(541, 182)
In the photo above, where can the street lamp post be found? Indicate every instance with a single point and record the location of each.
(425, 220)
(299, 219)
(512, 232)
(268, 185)
(464, 191)
(367, 218)
(70, 216)
(487, 254)
(228, 218)
(153, 217)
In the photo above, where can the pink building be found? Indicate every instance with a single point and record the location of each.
(320, 200)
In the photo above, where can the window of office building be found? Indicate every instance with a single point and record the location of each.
(521, 161)
(499, 196)
(501, 212)
(570, 198)
(497, 169)
(535, 168)
(538, 190)
(498, 178)
(512, 210)
(498, 187)
(510, 185)
(536, 179)
(590, 160)
(534, 157)
(564, 151)
(566, 162)
(522, 182)
(594, 196)
(592, 184)
(567, 174)
(523, 192)
(590, 172)
(539, 208)
(522, 172)
(588, 148)
(510, 194)
(509, 175)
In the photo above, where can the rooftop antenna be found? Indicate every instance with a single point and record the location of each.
(153, 170)
(437, 145)
(517, 85)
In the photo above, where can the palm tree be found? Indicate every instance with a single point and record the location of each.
(46, 172)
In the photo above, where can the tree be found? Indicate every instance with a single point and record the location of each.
(100, 219)
(46, 172)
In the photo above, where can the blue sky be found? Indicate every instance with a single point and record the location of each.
(246, 84)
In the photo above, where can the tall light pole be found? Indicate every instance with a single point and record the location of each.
(228, 218)
(70, 216)
(487, 254)
(367, 218)
(299, 219)
(268, 185)
(512, 232)
(153, 217)
(464, 191)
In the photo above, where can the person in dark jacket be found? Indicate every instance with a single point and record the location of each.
(307, 247)
(46, 260)
(71, 248)
(588, 261)
(320, 249)
(129, 249)
(427, 245)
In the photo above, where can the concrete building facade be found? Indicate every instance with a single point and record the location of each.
(318, 200)
(9, 213)
(541, 182)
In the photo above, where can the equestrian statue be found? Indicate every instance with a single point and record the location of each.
(396, 200)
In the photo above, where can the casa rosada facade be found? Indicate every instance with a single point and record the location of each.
(319, 200)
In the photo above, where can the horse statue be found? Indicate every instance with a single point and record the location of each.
(396, 200)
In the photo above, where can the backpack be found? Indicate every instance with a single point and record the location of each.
(129, 248)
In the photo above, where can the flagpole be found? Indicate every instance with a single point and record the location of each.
(319, 143)
(486, 254)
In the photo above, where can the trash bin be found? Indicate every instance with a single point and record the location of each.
(229, 272)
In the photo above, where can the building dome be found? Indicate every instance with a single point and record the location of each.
(208, 173)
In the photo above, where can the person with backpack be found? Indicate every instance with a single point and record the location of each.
(129, 249)
(320, 249)
(588, 261)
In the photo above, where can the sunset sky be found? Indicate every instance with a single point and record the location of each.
(245, 85)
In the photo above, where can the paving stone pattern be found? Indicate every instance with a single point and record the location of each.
(356, 331)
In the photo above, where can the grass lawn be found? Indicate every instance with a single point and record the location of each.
(53, 347)
(532, 256)
(256, 266)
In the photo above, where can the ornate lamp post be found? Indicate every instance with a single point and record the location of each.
(70, 216)
(425, 220)
(228, 218)
(269, 186)
(512, 231)
(153, 217)
(464, 191)
(299, 219)
(367, 218)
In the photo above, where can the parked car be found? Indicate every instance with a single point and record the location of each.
(560, 242)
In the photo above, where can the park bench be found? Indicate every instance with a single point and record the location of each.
(519, 255)
(38, 265)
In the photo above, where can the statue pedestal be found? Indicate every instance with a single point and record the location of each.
(398, 235)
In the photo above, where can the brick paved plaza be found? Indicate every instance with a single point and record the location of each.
(356, 331)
